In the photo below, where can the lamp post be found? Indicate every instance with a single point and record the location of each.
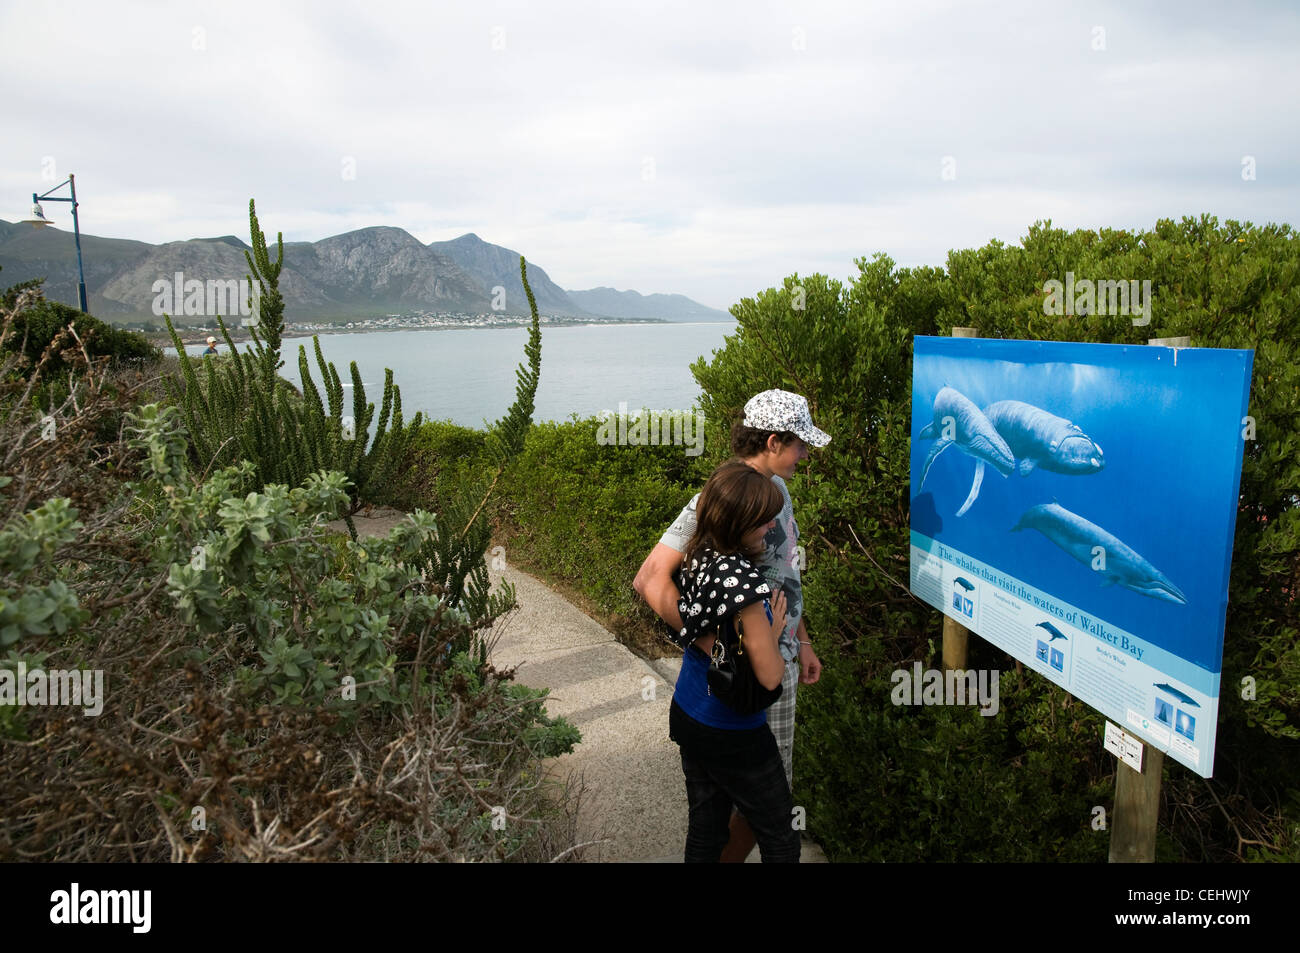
(38, 219)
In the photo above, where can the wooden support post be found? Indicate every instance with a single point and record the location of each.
(1137, 795)
(956, 640)
(956, 637)
(1137, 810)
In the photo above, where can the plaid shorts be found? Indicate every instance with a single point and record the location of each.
(780, 718)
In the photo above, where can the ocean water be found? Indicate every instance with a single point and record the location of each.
(468, 375)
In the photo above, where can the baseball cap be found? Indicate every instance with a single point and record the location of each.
(781, 410)
(212, 340)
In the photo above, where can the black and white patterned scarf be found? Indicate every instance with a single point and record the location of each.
(714, 588)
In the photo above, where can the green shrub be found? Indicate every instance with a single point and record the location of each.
(442, 461)
(588, 513)
(61, 337)
(34, 328)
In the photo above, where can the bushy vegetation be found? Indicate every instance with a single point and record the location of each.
(33, 329)
(442, 459)
(272, 690)
(56, 337)
(581, 510)
(899, 783)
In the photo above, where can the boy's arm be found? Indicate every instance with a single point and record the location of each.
(654, 582)
(810, 666)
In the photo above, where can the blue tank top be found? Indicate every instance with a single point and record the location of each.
(692, 696)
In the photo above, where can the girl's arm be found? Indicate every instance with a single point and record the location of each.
(761, 639)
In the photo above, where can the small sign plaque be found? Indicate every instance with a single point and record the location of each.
(1124, 746)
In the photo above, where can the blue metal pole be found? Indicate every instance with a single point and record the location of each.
(76, 233)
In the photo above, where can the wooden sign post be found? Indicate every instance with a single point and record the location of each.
(1137, 810)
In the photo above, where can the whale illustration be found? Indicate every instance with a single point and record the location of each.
(1078, 537)
(958, 422)
(1041, 439)
(1056, 633)
(964, 583)
(1181, 696)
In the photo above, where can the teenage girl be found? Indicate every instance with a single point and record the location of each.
(730, 759)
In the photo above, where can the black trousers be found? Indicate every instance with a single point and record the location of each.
(726, 769)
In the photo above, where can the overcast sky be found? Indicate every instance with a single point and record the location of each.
(707, 149)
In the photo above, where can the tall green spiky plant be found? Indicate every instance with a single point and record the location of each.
(507, 435)
(333, 440)
(269, 327)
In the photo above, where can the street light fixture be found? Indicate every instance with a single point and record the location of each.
(38, 219)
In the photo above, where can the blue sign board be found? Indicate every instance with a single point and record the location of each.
(1074, 504)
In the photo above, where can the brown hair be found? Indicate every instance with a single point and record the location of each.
(748, 442)
(735, 500)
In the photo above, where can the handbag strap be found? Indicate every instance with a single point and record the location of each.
(718, 651)
(718, 658)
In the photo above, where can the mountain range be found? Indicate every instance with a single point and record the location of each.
(368, 272)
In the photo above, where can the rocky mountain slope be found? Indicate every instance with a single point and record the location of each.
(371, 271)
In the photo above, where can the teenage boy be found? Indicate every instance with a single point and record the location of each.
(773, 437)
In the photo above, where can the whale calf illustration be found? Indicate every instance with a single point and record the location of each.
(1056, 633)
(1181, 696)
(958, 422)
(1041, 439)
(1078, 537)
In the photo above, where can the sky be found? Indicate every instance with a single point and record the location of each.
(700, 149)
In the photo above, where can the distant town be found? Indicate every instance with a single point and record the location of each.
(238, 326)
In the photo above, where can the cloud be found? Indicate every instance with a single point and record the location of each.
(708, 150)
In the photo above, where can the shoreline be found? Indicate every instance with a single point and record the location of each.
(240, 336)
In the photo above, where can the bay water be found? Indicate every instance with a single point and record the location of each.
(468, 375)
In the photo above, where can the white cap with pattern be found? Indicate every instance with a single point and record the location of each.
(781, 410)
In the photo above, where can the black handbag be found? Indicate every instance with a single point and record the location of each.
(731, 676)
